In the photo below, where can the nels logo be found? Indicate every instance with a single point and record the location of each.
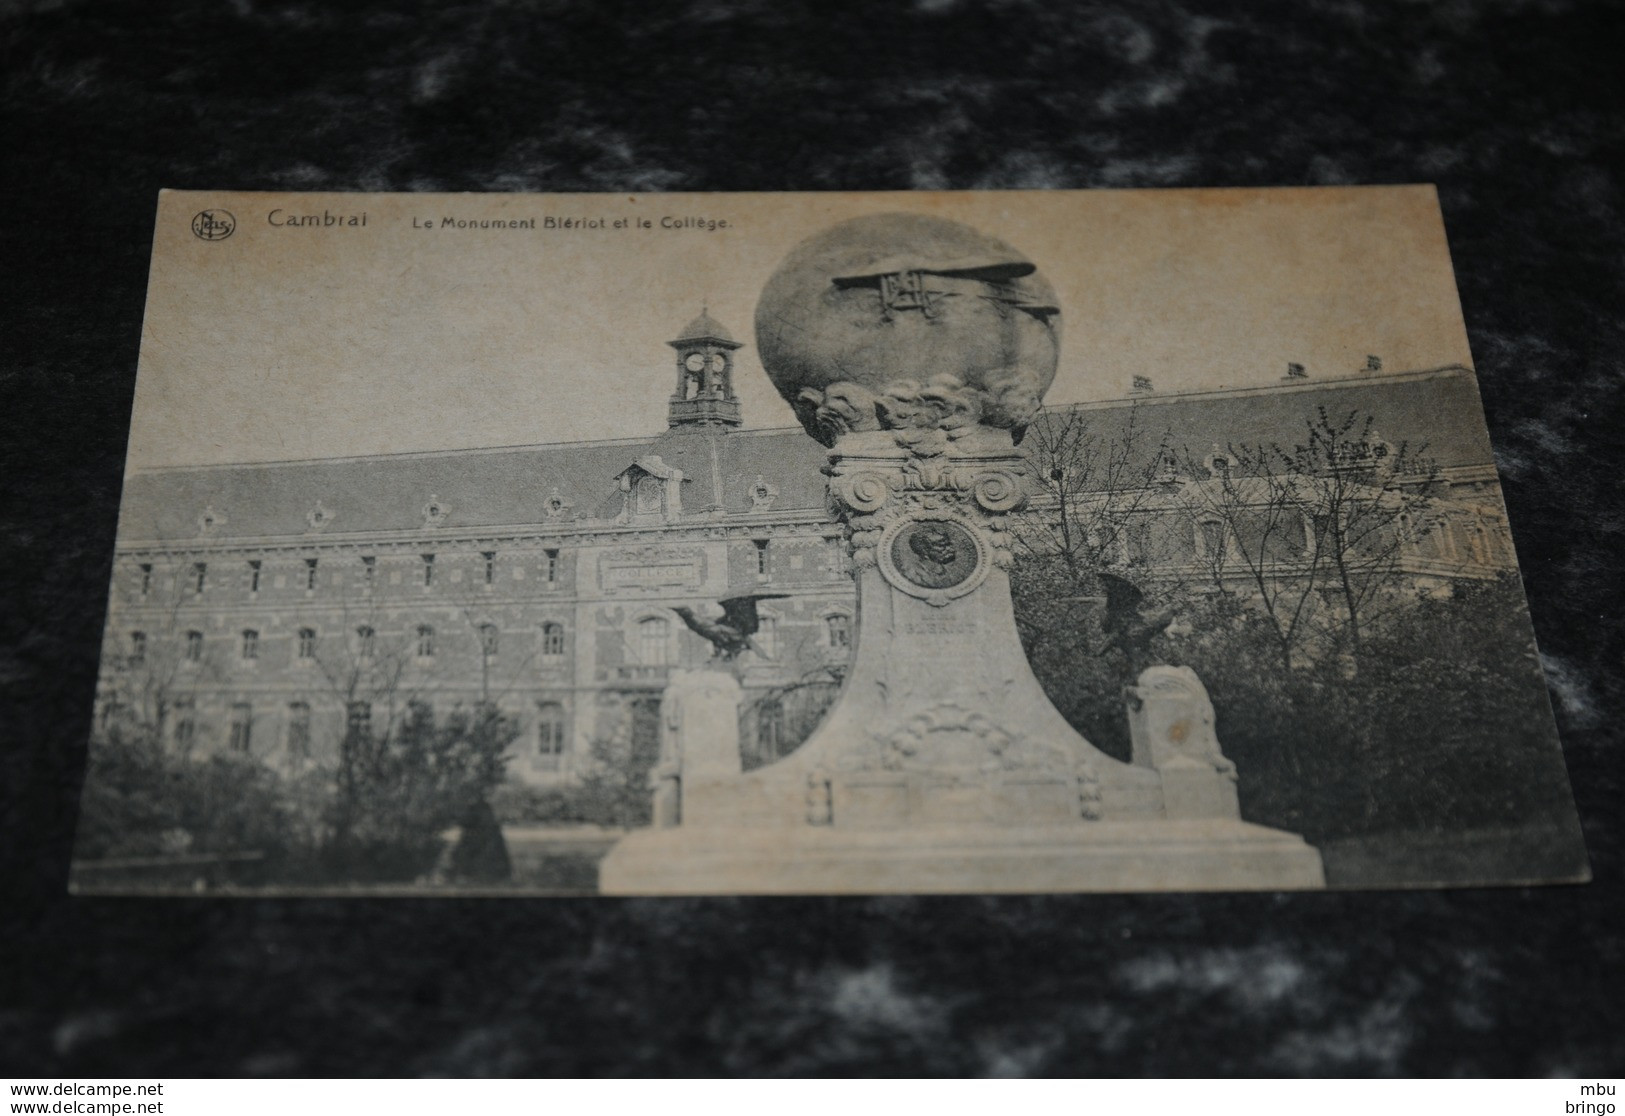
(213, 224)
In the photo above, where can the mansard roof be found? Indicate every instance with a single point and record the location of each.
(1436, 413)
(565, 484)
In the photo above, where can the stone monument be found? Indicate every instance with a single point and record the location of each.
(918, 350)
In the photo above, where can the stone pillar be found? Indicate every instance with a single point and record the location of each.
(943, 721)
(1171, 724)
(699, 745)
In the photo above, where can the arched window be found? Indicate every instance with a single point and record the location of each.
(488, 640)
(194, 647)
(549, 735)
(653, 637)
(307, 643)
(767, 636)
(251, 644)
(242, 726)
(552, 638)
(185, 724)
(425, 641)
(298, 730)
(770, 728)
(838, 630)
(366, 640)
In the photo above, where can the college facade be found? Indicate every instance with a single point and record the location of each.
(267, 608)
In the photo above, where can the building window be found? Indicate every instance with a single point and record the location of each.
(138, 648)
(488, 640)
(549, 735)
(298, 730)
(770, 728)
(194, 647)
(761, 557)
(428, 569)
(551, 566)
(253, 577)
(838, 629)
(490, 557)
(113, 712)
(767, 636)
(307, 643)
(369, 569)
(648, 495)
(200, 576)
(310, 574)
(185, 724)
(653, 636)
(358, 718)
(146, 578)
(242, 724)
(425, 641)
(365, 641)
(552, 639)
(1212, 538)
(251, 644)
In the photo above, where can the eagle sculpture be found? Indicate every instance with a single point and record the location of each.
(730, 636)
(1127, 625)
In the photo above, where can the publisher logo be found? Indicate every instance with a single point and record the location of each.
(213, 224)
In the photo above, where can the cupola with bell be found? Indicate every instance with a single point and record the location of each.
(705, 375)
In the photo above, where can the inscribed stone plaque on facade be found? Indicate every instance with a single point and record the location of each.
(1016, 541)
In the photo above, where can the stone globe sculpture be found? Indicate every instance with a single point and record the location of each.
(901, 320)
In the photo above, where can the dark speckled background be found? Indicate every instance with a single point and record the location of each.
(1513, 108)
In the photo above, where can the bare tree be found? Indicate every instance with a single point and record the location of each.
(1315, 534)
(1097, 508)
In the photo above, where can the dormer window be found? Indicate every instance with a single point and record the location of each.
(648, 495)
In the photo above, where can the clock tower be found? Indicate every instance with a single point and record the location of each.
(705, 375)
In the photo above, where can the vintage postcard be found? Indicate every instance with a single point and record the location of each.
(813, 544)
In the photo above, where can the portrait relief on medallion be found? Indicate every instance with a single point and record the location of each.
(935, 554)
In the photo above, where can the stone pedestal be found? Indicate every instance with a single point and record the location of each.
(943, 766)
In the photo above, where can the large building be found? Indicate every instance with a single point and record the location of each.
(263, 607)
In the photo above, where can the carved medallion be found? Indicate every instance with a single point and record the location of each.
(934, 557)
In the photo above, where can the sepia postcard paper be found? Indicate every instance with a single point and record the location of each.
(813, 543)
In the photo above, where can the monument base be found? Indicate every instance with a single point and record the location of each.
(1209, 854)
